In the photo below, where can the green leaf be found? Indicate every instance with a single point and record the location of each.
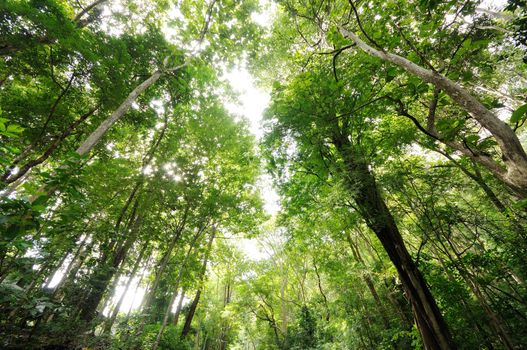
(13, 128)
(519, 113)
(472, 139)
(521, 204)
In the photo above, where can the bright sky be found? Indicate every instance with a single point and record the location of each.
(252, 102)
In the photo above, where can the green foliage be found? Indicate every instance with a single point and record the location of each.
(166, 199)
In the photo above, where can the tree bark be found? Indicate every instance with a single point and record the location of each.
(190, 315)
(98, 133)
(373, 209)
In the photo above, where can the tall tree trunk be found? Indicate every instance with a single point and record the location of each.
(165, 318)
(147, 301)
(110, 321)
(104, 274)
(176, 287)
(227, 294)
(194, 305)
(178, 308)
(112, 263)
(373, 209)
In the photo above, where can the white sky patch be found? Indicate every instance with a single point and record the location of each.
(132, 299)
(252, 248)
(493, 4)
(264, 18)
(269, 194)
(252, 100)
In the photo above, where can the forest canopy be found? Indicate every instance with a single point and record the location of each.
(376, 200)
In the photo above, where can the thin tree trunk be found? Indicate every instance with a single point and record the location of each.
(105, 273)
(15, 179)
(176, 287)
(180, 275)
(478, 327)
(110, 321)
(369, 282)
(194, 305)
(146, 303)
(179, 306)
(319, 283)
(494, 319)
(165, 318)
(284, 309)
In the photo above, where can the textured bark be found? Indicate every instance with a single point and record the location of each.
(373, 209)
(513, 154)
